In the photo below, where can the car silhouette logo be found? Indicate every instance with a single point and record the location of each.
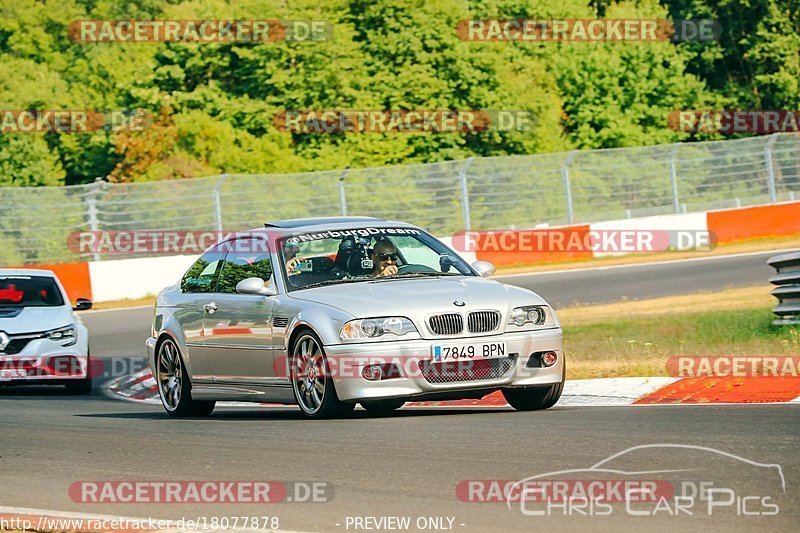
(3, 340)
(459, 303)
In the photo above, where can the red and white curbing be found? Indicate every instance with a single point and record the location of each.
(141, 387)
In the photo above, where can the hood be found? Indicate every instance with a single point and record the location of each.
(419, 296)
(36, 319)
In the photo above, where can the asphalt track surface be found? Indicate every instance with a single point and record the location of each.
(409, 464)
(406, 465)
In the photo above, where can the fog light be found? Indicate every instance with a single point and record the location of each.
(372, 372)
(549, 358)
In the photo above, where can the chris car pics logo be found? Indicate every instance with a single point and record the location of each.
(667, 480)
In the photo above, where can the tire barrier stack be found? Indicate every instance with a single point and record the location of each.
(787, 291)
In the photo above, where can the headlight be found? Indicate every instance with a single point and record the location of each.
(66, 336)
(535, 316)
(371, 328)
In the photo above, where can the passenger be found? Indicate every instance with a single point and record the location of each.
(384, 259)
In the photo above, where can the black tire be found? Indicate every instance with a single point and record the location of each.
(167, 380)
(383, 407)
(82, 387)
(307, 353)
(531, 399)
(536, 399)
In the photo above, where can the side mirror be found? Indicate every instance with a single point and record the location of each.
(82, 304)
(255, 286)
(484, 268)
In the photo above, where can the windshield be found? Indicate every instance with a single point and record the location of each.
(364, 254)
(29, 291)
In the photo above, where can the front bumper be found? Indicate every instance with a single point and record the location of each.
(150, 348)
(44, 361)
(348, 361)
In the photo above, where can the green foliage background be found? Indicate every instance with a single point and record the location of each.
(215, 102)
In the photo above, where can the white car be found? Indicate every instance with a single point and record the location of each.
(42, 340)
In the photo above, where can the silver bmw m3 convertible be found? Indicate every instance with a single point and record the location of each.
(332, 312)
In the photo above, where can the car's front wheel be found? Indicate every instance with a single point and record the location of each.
(530, 399)
(174, 387)
(382, 407)
(312, 380)
(81, 387)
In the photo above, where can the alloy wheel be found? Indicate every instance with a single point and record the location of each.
(169, 375)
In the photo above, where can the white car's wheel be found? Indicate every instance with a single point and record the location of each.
(311, 380)
(82, 387)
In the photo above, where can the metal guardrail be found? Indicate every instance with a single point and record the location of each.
(477, 193)
(788, 287)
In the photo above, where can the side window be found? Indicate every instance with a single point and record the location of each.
(248, 258)
(202, 275)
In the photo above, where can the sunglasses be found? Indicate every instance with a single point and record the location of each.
(385, 257)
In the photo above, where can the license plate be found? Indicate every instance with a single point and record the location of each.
(13, 374)
(441, 353)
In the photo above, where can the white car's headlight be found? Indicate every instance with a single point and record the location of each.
(372, 328)
(532, 317)
(66, 336)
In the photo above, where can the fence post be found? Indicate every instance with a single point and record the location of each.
(567, 186)
(673, 178)
(218, 205)
(462, 176)
(773, 195)
(91, 210)
(342, 195)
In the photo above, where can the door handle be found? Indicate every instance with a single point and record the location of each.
(210, 308)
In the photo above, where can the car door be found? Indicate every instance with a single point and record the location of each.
(237, 328)
(197, 289)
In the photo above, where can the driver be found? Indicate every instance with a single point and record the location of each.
(384, 259)
(290, 252)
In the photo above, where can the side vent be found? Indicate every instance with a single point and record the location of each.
(280, 321)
